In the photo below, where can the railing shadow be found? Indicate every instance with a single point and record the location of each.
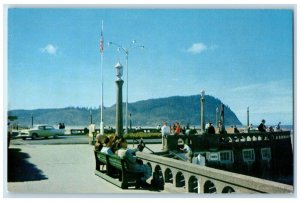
(19, 169)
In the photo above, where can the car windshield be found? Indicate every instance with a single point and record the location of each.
(49, 128)
(45, 127)
(41, 127)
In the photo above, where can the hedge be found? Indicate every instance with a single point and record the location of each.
(142, 135)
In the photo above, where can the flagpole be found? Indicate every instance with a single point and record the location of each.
(101, 51)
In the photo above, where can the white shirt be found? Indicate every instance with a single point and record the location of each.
(165, 130)
(186, 148)
(107, 150)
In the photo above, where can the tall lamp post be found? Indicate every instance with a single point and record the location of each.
(202, 111)
(31, 120)
(126, 52)
(222, 120)
(217, 111)
(119, 102)
(91, 116)
(130, 121)
(101, 52)
(247, 116)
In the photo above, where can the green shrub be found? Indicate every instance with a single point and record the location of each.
(142, 135)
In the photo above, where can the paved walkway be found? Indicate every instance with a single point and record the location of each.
(55, 170)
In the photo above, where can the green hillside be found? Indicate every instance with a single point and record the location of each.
(152, 112)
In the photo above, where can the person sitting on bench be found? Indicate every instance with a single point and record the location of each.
(133, 163)
(98, 143)
(108, 145)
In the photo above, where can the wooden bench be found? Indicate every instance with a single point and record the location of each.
(116, 171)
(101, 161)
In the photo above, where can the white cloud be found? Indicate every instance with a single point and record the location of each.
(50, 49)
(197, 48)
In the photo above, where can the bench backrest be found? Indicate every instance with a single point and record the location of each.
(117, 162)
(101, 157)
(112, 160)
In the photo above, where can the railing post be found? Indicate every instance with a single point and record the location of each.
(199, 186)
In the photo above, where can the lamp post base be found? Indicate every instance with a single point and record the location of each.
(101, 128)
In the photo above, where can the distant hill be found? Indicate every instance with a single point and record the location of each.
(152, 112)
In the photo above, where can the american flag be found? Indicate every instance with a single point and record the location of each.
(101, 40)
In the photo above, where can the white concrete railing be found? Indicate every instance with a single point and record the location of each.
(185, 177)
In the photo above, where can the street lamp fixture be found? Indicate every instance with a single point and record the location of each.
(125, 50)
(202, 93)
(119, 70)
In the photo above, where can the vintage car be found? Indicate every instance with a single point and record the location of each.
(40, 131)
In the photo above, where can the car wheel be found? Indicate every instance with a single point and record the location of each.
(55, 136)
(34, 136)
(23, 138)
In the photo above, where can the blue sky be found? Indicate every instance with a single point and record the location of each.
(243, 57)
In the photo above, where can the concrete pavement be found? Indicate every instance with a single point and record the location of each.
(54, 170)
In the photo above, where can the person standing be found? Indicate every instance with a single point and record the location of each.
(278, 128)
(207, 126)
(235, 129)
(165, 131)
(178, 129)
(262, 127)
(211, 129)
(173, 128)
(250, 128)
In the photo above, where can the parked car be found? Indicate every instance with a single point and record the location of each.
(42, 130)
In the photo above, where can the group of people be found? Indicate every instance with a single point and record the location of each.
(176, 129)
(263, 128)
(209, 128)
(185, 152)
(113, 145)
(61, 126)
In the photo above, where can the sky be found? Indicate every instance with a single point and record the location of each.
(244, 57)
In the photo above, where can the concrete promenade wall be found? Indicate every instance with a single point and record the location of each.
(188, 178)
